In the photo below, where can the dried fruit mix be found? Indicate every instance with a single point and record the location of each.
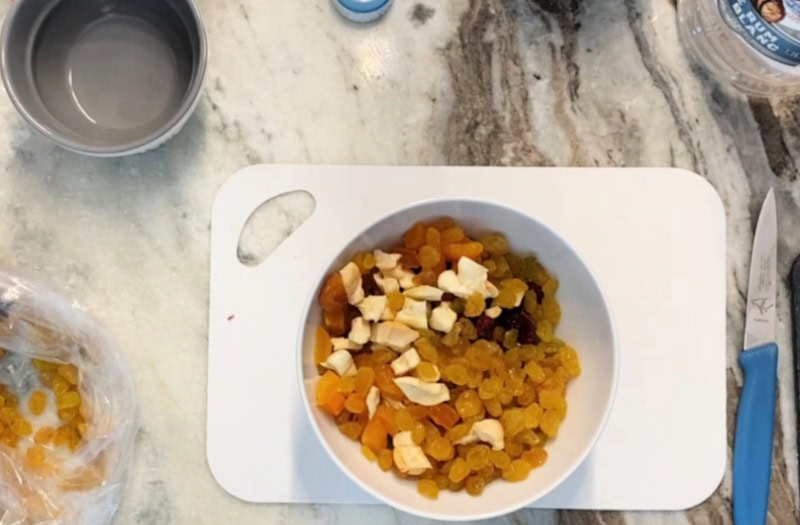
(440, 358)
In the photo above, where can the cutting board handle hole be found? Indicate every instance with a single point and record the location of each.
(259, 236)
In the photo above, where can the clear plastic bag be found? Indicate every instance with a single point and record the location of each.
(81, 486)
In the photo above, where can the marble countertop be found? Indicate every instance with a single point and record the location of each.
(501, 82)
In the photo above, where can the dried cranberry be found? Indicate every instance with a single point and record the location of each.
(539, 291)
(485, 326)
(519, 319)
(369, 284)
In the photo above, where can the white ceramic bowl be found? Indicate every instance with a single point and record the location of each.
(586, 323)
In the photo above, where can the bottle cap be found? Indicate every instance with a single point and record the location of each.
(362, 10)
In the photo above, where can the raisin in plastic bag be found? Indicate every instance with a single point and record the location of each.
(66, 460)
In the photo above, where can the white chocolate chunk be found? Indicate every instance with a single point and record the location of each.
(341, 362)
(343, 343)
(443, 318)
(493, 312)
(387, 284)
(411, 460)
(408, 361)
(424, 293)
(386, 261)
(472, 274)
(373, 399)
(414, 314)
(359, 331)
(372, 307)
(449, 282)
(396, 336)
(351, 277)
(403, 439)
(404, 277)
(422, 393)
(489, 431)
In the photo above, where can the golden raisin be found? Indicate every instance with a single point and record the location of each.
(427, 372)
(452, 235)
(427, 350)
(517, 471)
(468, 404)
(35, 458)
(459, 470)
(440, 449)
(44, 435)
(499, 459)
(474, 485)
(368, 453)
(478, 457)
(37, 403)
(428, 488)
(475, 305)
(404, 420)
(470, 250)
(395, 301)
(364, 379)
(495, 243)
(456, 374)
(414, 238)
(21, 427)
(385, 460)
(536, 457)
(351, 429)
(433, 238)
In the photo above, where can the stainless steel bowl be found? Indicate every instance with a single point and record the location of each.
(104, 77)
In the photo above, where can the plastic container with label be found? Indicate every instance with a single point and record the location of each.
(753, 45)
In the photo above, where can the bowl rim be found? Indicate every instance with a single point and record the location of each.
(152, 140)
(577, 461)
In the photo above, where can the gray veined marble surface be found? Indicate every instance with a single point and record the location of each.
(505, 82)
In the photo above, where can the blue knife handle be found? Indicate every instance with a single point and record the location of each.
(752, 446)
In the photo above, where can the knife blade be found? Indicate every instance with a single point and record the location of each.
(755, 418)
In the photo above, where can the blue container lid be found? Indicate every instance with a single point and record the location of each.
(362, 10)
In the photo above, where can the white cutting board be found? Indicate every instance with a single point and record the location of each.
(654, 237)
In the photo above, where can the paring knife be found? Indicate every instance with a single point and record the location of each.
(794, 284)
(755, 419)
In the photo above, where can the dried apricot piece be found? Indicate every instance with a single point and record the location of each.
(384, 380)
(355, 404)
(333, 296)
(327, 395)
(334, 321)
(322, 346)
(374, 435)
(444, 415)
(388, 417)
